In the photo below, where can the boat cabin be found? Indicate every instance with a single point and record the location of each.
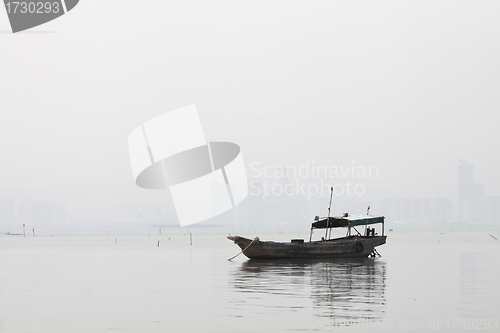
(349, 222)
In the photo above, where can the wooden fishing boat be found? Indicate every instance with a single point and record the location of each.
(354, 244)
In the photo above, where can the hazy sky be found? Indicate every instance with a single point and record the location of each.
(410, 87)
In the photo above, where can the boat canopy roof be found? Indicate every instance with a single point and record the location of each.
(347, 221)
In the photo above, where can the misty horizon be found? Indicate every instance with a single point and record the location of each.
(407, 88)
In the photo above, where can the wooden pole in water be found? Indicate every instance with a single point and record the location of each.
(24, 230)
(328, 218)
(190, 239)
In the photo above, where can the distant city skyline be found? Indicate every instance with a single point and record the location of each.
(261, 210)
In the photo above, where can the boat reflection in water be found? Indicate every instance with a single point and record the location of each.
(341, 290)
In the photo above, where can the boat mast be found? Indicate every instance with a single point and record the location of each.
(328, 218)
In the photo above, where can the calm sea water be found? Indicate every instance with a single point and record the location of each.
(423, 281)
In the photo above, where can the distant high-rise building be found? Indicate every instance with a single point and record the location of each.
(465, 180)
(467, 188)
(441, 210)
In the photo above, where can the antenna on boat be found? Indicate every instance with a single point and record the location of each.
(328, 218)
(368, 211)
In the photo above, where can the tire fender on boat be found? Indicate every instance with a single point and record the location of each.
(359, 247)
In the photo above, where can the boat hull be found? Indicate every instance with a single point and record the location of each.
(346, 247)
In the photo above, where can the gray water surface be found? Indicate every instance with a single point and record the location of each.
(423, 281)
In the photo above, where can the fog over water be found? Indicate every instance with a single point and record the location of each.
(409, 88)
